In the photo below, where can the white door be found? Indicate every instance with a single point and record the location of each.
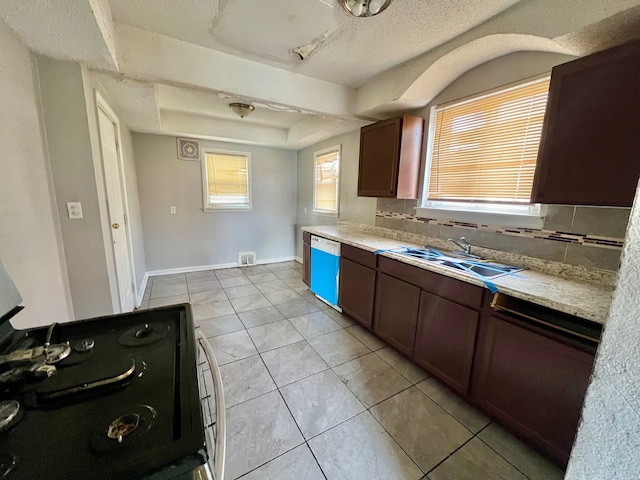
(115, 201)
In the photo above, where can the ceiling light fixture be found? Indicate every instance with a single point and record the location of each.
(242, 109)
(365, 8)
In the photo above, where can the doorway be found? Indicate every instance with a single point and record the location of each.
(117, 208)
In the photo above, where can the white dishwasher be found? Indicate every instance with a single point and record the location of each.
(325, 269)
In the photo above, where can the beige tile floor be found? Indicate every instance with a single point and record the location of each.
(310, 395)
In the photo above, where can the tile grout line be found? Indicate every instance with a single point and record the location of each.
(498, 453)
(461, 446)
(278, 388)
(367, 409)
(287, 407)
(290, 413)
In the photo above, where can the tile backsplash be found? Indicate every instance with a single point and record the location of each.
(586, 236)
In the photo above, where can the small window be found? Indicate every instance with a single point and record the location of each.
(326, 180)
(483, 150)
(226, 180)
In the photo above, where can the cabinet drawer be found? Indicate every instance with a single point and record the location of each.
(445, 287)
(358, 255)
(306, 237)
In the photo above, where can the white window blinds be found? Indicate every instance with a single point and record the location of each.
(227, 180)
(485, 148)
(326, 180)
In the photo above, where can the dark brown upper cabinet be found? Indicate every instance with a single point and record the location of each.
(390, 153)
(590, 147)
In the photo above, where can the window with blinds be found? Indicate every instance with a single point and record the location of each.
(226, 180)
(484, 149)
(326, 180)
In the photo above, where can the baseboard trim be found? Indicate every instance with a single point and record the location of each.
(219, 266)
(276, 260)
(299, 260)
(200, 268)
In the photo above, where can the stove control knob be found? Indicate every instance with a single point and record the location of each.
(84, 345)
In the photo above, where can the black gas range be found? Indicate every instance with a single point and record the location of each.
(110, 397)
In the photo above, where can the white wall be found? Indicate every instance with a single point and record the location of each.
(74, 178)
(352, 208)
(30, 242)
(608, 441)
(193, 238)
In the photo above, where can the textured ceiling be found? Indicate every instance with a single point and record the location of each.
(265, 31)
(173, 66)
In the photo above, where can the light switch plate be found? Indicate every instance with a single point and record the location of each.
(74, 209)
(173, 210)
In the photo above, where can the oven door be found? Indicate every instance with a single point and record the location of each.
(213, 411)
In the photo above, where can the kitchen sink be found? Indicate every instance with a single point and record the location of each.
(460, 261)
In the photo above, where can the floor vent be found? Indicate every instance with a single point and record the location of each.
(246, 259)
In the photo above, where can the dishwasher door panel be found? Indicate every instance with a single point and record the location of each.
(325, 269)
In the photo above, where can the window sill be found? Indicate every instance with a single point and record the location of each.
(325, 213)
(485, 218)
(227, 209)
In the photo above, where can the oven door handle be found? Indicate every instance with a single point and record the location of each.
(221, 426)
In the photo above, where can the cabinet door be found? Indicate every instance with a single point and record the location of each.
(379, 156)
(396, 312)
(590, 131)
(306, 263)
(532, 383)
(357, 289)
(445, 340)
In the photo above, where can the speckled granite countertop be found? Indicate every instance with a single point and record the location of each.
(579, 298)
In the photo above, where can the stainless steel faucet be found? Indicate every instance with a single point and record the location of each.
(462, 244)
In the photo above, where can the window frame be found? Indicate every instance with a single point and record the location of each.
(320, 153)
(529, 215)
(206, 206)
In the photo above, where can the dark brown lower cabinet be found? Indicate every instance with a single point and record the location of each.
(445, 340)
(357, 290)
(532, 383)
(306, 263)
(396, 312)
